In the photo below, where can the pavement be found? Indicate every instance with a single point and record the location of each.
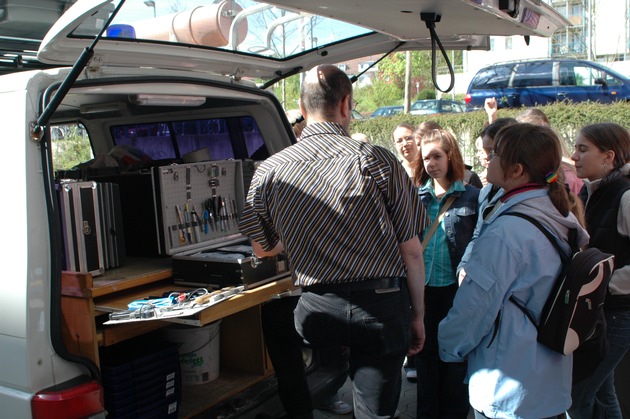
(263, 398)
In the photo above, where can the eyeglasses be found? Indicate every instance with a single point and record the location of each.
(407, 139)
(492, 154)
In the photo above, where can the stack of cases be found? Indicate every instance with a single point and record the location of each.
(91, 219)
(81, 226)
(141, 381)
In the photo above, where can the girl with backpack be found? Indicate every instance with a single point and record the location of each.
(602, 159)
(511, 374)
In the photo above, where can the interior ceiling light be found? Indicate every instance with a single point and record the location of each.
(166, 100)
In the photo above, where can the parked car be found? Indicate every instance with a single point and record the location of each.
(154, 86)
(538, 82)
(387, 111)
(357, 115)
(431, 106)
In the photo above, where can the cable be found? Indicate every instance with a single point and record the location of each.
(430, 19)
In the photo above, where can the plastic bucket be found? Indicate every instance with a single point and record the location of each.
(198, 351)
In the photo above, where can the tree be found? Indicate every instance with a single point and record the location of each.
(379, 93)
(70, 146)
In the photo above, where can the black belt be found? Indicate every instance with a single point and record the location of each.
(378, 285)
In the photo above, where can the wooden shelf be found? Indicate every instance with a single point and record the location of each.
(229, 383)
(87, 300)
(135, 273)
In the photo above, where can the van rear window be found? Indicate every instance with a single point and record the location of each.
(224, 138)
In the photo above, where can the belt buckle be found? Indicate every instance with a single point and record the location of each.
(386, 290)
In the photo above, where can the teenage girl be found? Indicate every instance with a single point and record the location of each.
(602, 159)
(510, 374)
(452, 207)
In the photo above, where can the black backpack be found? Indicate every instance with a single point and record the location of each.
(574, 308)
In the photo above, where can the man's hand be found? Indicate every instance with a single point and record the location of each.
(491, 107)
(417, 336)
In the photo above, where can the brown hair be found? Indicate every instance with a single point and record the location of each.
(609, 136)
(448, 143)
(324, 88)
(424, 128)
(537, 148)
(533, 116)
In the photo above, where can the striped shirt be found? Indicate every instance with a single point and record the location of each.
(339, 206)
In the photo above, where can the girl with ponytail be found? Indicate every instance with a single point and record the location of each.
(510, 374)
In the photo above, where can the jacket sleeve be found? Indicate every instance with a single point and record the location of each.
(620, 279)
(480, 297)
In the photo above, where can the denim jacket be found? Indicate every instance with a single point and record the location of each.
(459, 220)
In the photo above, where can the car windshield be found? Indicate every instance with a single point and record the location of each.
(243, 26)
(424, 104)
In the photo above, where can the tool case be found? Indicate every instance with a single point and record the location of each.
(190, 213)
(199, 206)
(81, 227)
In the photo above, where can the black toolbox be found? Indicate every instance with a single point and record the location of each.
(224, 266)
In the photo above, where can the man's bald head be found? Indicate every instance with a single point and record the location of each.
(323, 89)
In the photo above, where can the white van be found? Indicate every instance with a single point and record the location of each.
(152, 82)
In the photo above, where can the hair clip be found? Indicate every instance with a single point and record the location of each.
(551, 177)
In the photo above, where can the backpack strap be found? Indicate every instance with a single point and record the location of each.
(554, 241)
(551, 237)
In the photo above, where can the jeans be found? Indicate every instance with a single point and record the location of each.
(442, 393)
(595, 397)
(375, 327)
(285, 351)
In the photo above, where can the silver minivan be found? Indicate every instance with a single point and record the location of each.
(148, 74)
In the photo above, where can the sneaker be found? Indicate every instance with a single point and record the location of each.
(338, 407)
(412, 375)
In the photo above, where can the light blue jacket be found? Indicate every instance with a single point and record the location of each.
(510, 374)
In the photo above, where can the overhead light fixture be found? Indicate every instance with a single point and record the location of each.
(166, 100)
(101, 108)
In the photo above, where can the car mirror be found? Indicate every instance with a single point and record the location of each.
(601, 81)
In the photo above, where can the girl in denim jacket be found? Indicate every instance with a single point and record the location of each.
(439, 173)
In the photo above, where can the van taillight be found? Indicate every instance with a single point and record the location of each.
(80, 401)
(467, 98)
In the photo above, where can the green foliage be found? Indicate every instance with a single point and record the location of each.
(71, 148)
(565, 118)
(291, 86)
(378, 94)
(426, 94)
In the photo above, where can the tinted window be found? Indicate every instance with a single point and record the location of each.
(225, 138)
(589, 76)
(533, 74)
(492, 77)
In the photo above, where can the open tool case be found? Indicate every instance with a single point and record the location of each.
(199, 209)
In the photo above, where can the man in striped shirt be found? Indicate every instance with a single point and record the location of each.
(348, 217)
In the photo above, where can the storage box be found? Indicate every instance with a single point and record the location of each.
(224, 266)
(141, 379)
(81, 227)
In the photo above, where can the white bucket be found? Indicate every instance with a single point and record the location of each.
(198, 351)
